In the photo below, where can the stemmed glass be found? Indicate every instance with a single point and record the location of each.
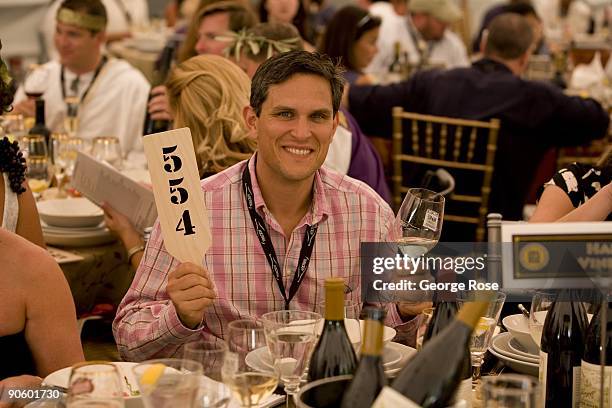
(540, 305)
(250, 384)
(36, 81)
(211, 354)
(420, 219)
(168, 382)
(352, 312)
(107, 149)
(483, 333)
(39, 165)
(291, 336)
(510, 390)
(60, 160)
(95, 384)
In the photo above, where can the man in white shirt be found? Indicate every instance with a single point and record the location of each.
(423, 34)
(121, 15)
(111, 94)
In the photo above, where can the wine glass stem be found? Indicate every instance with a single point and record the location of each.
(289, 400)
(476, 373)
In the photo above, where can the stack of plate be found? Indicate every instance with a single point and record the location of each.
(516, 348)
(73, 222)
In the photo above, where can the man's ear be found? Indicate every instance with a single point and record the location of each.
(250, 118)
(101, 37)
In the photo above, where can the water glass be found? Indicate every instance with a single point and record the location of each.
(39, 173)
(483, 333)
(60, 160)
(107, 149)
(540, 305)
(420, 220)
(212, 392)
(95, 384)
(291, 336)
(169, 382)
(13, 126)
(510, 391)
(424, 319)
(250, 383)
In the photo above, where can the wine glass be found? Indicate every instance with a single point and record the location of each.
(424, 319)
(250, 383)
(13, 126)
(168, 382)
(36, 81)
(95, 384)
(71, 123)
(107, 149)
(60, 160)
(420, 219)
(352, 323)
(39, 172)
(540, 305)
(510, 390)
(291, 337)
(211, 354)
(483, 332)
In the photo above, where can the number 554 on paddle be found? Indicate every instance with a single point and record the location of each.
(178, 195)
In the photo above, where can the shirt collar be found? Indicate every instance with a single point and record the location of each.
(320, 208)
(490, 65)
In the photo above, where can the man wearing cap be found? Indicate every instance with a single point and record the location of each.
(110, 95)
(422, 34)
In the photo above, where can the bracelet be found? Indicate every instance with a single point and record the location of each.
(133, 251)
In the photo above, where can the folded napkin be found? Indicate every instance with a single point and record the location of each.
(585, 77)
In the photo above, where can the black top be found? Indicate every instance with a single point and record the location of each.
(17, 358)
(534, 117)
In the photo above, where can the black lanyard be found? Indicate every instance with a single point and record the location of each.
(266, 243)
(95, 76)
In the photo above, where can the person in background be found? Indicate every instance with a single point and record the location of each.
(38, 334)
(423, 34)
(577, 192)
(212, 21)
(350, 151)
(351, 38)
(534, 116)
(112, 94)
(293, 109)
(290, 12)
(207, 94)
(123, 15)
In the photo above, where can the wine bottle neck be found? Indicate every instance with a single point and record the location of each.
(334, 302)
(372, 343)
(40, 112)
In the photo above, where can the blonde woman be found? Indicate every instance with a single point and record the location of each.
(206, 94)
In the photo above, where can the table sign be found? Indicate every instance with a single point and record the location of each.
(178, 195)
(556, 255)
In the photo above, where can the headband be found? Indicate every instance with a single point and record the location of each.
(82, 20)
(255, 44)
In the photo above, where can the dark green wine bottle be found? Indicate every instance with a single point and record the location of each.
(333, 355)
(370, 377)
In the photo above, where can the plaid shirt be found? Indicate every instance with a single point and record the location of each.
(347, 212)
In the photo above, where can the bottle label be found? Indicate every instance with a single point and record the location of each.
(464, 393)
(542, 374)
(589, 385)
(390, 398)
(576, 387)
(431, 220)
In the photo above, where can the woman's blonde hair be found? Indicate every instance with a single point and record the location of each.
(207, 94)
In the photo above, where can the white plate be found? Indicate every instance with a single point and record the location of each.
(518, 326)
(99, 237)
(501, 344)
(406, 352)
(517, 348)
(72, 212)
(517, 365)
(60, 378)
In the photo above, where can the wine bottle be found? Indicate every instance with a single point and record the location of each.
(590, 379)
(40, 128)
(395, 68)
(333, 355)
(164, 64)
(370, 377)
(443, 315)
(431, 377)
(561, 350)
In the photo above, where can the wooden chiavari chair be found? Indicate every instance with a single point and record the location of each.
(462, 147)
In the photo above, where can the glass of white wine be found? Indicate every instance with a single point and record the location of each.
(95, 384)
(251, 383)
(60, 160)
(420, 219)
(540, 305)
(483, 333)
(291, 337)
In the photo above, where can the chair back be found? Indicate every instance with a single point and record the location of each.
(464, 148)
(591, 154)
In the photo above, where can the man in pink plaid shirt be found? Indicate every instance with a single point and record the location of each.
(280, 224)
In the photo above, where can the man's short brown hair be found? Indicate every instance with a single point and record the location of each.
(509, 36)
